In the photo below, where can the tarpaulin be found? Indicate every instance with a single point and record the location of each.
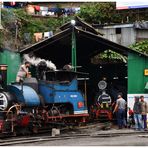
(48, 34)
(141, 25)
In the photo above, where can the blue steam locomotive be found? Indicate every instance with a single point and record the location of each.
(42, 102)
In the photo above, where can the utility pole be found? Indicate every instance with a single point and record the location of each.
(74, 54)
(16, 34)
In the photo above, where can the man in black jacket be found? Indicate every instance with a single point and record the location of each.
(137, 109)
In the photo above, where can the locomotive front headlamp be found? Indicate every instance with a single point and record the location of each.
(80, 104)
(73, 22)
(3, 68)
(3, 102)
(102, 85)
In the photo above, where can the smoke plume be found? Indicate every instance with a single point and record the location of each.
(35, 61)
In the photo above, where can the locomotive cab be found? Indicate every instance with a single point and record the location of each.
(61, 89)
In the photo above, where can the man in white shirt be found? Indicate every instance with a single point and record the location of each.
(23, 72)
(120, 109)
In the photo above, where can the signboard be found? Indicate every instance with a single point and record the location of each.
(131, 4)
(146, 72)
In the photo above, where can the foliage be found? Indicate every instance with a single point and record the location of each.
(105, 12)
(99, 12)
(110, 56)
(140, 46)
(32, 25)
(28, 24)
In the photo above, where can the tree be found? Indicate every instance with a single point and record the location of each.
(104, 12)
(27, 24)
(109, 56)
(141, 46)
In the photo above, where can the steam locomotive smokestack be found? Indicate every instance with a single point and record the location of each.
(35, 61)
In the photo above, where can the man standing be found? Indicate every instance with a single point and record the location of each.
(23, 72)
(120, 108)
(144, 110)
(137, 109)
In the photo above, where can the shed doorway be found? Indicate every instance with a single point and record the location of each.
(113, 69)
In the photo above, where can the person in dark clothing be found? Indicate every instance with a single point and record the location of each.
(144, 112)
(137, 109)
(131, 121)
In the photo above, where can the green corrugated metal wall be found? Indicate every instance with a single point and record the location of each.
(12, 59)
(136, 78)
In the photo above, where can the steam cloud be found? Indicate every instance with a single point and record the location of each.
(35, 61)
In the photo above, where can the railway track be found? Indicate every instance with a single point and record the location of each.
(65, 134)
(24, 140)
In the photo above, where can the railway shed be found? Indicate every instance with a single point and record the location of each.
(129, 77)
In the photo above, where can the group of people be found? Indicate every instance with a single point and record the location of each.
(139, 111)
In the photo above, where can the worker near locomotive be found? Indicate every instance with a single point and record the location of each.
(23, 72)
(121, 109)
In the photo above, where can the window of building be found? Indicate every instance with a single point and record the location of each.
(118, 30)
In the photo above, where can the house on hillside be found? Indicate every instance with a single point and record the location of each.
(125, 34)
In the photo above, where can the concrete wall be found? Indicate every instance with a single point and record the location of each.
(141, 35)
(128, 34)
